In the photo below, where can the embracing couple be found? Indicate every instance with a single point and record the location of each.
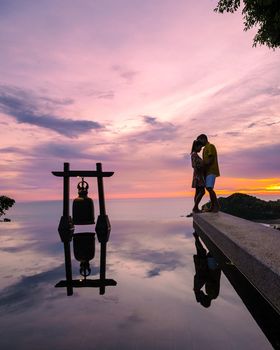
(205, 171)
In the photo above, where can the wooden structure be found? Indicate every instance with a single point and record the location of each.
(66, 228)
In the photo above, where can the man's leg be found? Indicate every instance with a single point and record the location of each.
(214, 201)
(210, 182)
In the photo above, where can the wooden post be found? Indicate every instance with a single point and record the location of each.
(101, 197)
(66, 191)
(102, 212)
(67, 248)
(103, 252)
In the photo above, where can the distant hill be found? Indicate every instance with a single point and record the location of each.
(249, 207)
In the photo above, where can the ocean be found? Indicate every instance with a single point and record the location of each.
(150, 255)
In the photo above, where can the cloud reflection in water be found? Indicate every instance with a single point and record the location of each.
(152, 307)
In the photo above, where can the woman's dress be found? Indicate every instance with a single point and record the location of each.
(198, 171)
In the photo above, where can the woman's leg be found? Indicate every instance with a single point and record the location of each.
(196, 193)
(195, 208)
(199, 194)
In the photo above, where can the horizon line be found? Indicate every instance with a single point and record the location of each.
(160, 196)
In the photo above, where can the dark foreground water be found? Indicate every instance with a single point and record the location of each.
(153, 306)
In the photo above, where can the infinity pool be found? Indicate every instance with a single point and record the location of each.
(153, 306)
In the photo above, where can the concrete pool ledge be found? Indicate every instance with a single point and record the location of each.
(252, 247)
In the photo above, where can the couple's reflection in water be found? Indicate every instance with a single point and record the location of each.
(207, 275)
(208, 268)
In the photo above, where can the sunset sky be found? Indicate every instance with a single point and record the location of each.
(131, 83)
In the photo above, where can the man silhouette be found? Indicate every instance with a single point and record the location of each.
(210, 160)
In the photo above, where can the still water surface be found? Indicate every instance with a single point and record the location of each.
(153, 306)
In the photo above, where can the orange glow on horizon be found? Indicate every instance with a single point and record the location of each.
(188, 194)
(273, 188)
(224, 187)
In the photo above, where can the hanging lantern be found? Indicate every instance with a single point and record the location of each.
(83, 208)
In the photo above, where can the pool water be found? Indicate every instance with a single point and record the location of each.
(153, 306)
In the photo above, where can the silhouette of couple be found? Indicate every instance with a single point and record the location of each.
(205, 171)
(207, 274)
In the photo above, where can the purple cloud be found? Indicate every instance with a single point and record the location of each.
(27, 108)
(70, 151)
(127, 74)
(11, 150)
(259, 162)
(155, 131)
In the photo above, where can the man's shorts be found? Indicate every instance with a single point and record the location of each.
(210, 181)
